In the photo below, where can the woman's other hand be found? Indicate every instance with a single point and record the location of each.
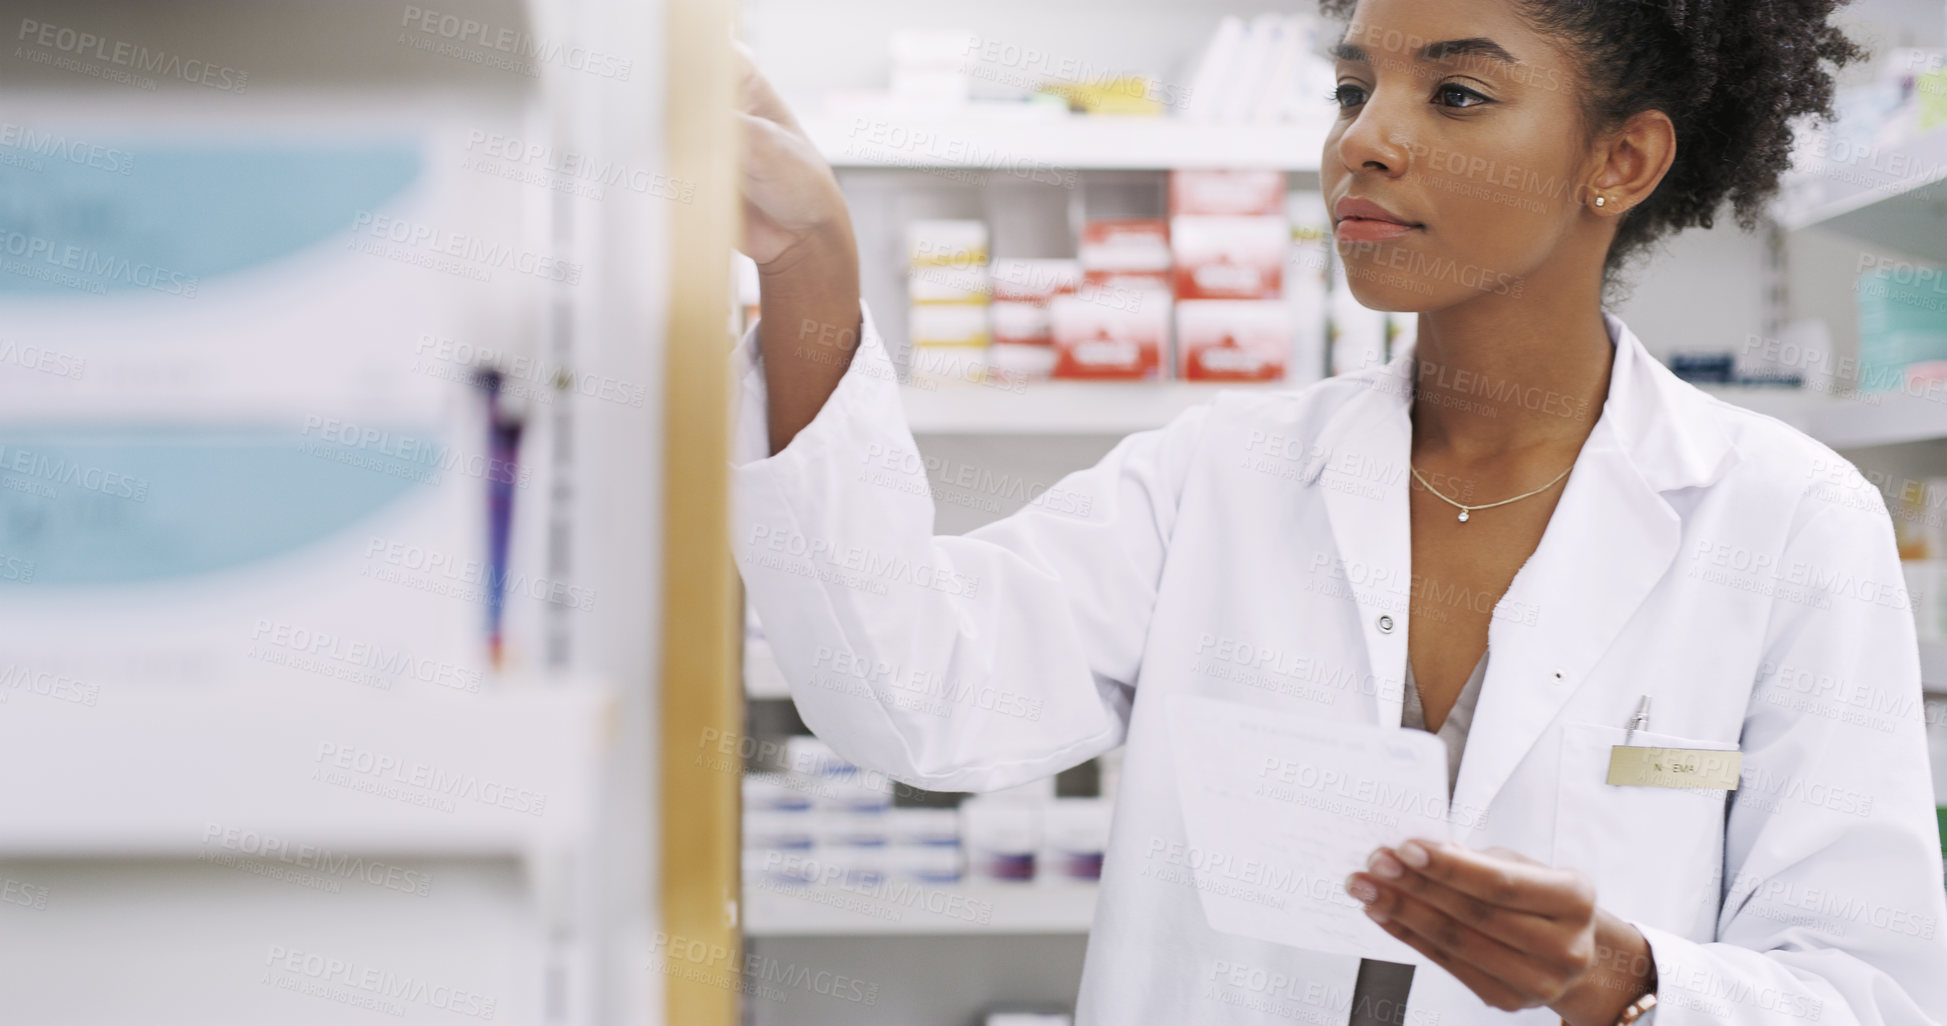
(1519, 934)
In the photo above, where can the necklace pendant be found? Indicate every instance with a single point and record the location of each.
(1463, 516)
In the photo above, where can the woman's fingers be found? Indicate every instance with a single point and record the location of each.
(1536, 982)
(768, 191)
(1523, 931)
(1521, 927)
(754, 93)
(1525, 886)
(774, 159)
(788, 189)
(1493, 991)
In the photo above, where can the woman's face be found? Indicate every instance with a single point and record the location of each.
(1476, 145)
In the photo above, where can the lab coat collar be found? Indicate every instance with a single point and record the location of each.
(1611, 538)
(1656, 415)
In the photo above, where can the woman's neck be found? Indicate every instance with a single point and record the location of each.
(1500, 376)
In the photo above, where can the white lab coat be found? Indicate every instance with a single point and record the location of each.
(1741, 574)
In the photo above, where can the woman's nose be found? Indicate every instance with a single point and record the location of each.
(1375, 139)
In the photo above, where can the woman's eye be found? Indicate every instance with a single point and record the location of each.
(1465, 96)
(1457, 96)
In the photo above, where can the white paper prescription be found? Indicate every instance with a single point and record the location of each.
(1280, 809)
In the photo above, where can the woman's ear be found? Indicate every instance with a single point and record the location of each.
(1633, 160)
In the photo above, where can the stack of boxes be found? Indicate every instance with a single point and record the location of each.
(822, 821)
(1027, 835)
(948, 290)
(1230, 238)
(1240, 274)
(1117, 325)
(1024, 292)
(924, 846)
(825, 822)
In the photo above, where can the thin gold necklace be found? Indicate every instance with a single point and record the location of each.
(1466, 509)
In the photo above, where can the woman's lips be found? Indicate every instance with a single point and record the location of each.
(1360, 229)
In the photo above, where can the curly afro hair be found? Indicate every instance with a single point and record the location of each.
(1732, 77)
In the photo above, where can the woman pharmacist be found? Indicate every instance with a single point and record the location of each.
(1421, 543)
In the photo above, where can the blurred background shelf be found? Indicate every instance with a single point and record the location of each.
(506, 774)
(1029, 908)
(1118, 408)
(1895, 198)
(1030, 145)
(1056, 407)
(1880, 419)
(1851, 421)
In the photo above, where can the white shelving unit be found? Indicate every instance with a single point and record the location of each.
(508, 774)
(1895, 198)
(1877, 419)
(1028, 908)
(1851, 421)
(1054, 407)
(1116, 408)
(1029, 142)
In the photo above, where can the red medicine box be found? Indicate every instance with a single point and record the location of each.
(1226, 193)
(1232, 340)
(1230, 257)
(1121, 339)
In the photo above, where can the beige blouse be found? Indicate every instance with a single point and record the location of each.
(1454, 730)
(1380, 989)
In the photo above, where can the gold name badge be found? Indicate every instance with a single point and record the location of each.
(1674, 767)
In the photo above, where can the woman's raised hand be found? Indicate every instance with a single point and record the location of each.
(797, 229)
(789, 192)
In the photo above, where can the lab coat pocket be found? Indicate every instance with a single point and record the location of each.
(1654, 853)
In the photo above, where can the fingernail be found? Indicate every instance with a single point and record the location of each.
(1377, 916)
(1360, 889)
(1384, 865)
(1412, 854)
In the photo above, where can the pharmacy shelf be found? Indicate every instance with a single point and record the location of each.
(1894, 197)
(1031, 146)
(1027, 908)
(1118, 408)
(513, 773)
(1056, 407)
(1853, 421)
(1879, 419)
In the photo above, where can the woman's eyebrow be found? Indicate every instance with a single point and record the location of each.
(1477, 46)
